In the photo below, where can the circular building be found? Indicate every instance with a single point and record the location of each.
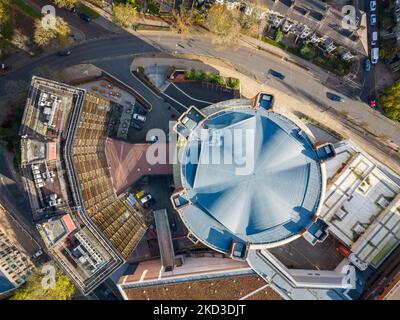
(248, 176)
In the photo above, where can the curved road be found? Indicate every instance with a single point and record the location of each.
(308, 86)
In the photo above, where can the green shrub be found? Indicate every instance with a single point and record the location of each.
(233, 83)
(200, 75)
(190, 74)
(140, 70)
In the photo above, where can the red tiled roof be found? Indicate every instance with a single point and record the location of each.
(69, 223)
(51, 151)
(128, 163)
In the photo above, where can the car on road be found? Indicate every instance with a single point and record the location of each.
(372, 19)
(334, 97)
(140, 110)
(276, 74)
(4, 68)
(63, 53)
(37, 254)
(372, 101)
(85, 17)
(372, 5)
(136, 126)
(139, 117)
(367, 65)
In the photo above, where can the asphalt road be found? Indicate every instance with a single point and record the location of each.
(305, 85)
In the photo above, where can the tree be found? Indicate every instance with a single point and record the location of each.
(307, 52)
(279, 36)
(125, 14)
(391, 101)
(184, 19)
(65, 3)
(4, 12)
(224, 24)
(44, 35)
(33, 290)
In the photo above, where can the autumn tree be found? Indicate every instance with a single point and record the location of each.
(391, 101)
(184, 19)
(65, 3)
(44, 34)
(224, 24)
(125, 14)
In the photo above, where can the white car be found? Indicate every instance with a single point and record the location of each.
(146, 199)
(372, 20)
(372, 6)
(139, 117)
(37, 254)
(153, 139)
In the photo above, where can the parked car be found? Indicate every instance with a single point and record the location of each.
(136, 126)
(147, 200)
(139, 117)
(63, 53)
(372, 101)
(374, 55)
(374, 38)
(334, 97)
(140, 110)
(372, 19)
(37, 254)
(276, 74)
(367, 65)
(153, 139)
(372, 6)
(85, 17)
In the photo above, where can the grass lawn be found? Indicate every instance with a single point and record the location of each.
(86, 10)
(28, 9)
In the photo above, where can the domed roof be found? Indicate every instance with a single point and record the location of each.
(251, 175)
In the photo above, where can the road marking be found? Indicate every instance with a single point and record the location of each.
(198, 100)
(175, 101)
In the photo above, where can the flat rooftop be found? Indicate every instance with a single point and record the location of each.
(227, 288)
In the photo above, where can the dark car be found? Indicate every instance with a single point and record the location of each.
(136, 126)
(334, 97)
(85, 17)
(4, 68)
(277, 74)
(367, 65)
(64, 53)
(140, 110)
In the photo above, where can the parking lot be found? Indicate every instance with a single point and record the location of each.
(182, 95)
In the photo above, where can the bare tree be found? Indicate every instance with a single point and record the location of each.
(224, 24)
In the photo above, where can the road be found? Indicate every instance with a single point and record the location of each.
(305, 85)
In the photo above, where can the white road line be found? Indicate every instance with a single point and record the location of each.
(254, 292)
(175, 101)
(190, 96)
